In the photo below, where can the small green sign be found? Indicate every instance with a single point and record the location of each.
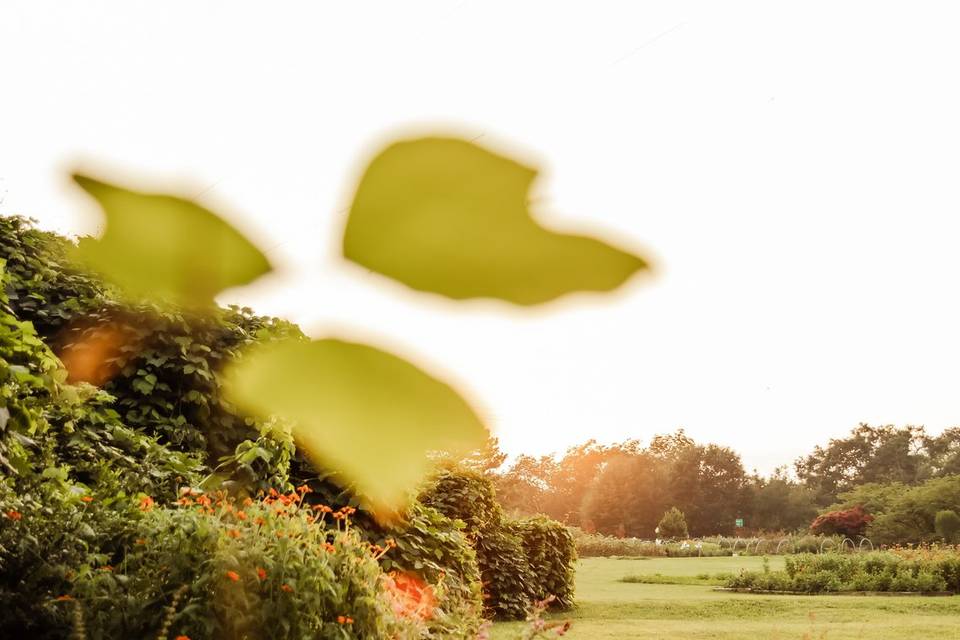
(739, 522)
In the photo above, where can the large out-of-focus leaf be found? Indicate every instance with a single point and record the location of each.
(368, 414)
(447, 216)
(166, 247)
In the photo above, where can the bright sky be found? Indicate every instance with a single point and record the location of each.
(793, 172)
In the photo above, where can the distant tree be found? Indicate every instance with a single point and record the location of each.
(523, 488)
(778, 503)
(628, 496)
(670, 446)
(868, 454)
(487, 458)
(708, 483)
(943, 452)
(947, 525)
(672, 525)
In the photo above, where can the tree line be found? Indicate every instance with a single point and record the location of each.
(625, 488)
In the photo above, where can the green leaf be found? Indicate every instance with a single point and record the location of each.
(447, 216)
(367, 414)
(161, 246)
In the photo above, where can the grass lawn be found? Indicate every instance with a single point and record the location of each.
(610, 608)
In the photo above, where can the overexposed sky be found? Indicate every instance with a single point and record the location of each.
(792, 168)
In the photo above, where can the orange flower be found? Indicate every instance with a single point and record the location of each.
(303, 489)
(410, 596)
(287, 588)
(64, 598)
(140, 541)
(14, 515)
(87, 498)
(258, 521)
(247, 502)
(241, 515)
(349, 620)
(106, 567)
(233, 533)
(233, 575)
(182, 638)
(146, 503)
(341, 619)
(261, 573)
(329, 547)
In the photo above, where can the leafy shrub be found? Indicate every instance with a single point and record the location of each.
(848, 522)
(672, 525)
(465, 495)
(48, 536)
(435, 548)
(551, 556)
(509, 585)
(512, 581)
(875, 571)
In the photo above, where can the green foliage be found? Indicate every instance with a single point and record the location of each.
(372, 416)
(877, 571)
(910, 516)
(519, 561)
(947, 525)
(50, 531)
(778, 503)
(509, 586)
(258, 570)
(167, 248)
(465, 495)
(434, 547)
(672, 525)
(870, 454)
(551, 556)
(628, 497)
(42, 284)
(447, 216)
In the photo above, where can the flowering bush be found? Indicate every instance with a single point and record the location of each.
(848, 522)
(267, 568)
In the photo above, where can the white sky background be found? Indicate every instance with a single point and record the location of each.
(793, 173)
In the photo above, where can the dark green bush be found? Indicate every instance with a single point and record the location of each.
(465, 495)
(551, 556)
(672, 525)
(509, 587)
(515, 558)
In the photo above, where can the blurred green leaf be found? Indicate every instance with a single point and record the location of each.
(166, 247)
(364, 412)
(447, 216)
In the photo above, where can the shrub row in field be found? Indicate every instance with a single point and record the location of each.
(882, 571)
(598, 545)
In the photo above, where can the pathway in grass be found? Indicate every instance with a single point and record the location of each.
(611, 608)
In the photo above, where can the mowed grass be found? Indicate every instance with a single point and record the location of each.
(610, 608)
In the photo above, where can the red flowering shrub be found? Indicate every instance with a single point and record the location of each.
(848, 522)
